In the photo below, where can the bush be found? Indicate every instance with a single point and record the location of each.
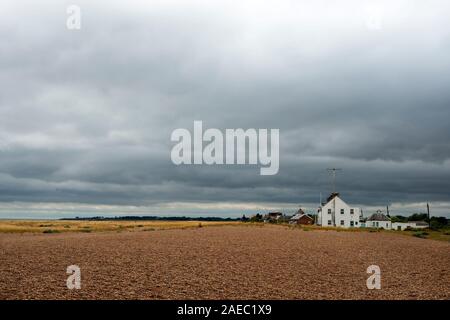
(51, 231)
(418, 217)
(399, 219)
(437, 224)
(256, 218)
(420, 234)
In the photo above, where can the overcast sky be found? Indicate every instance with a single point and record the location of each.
(86, 115)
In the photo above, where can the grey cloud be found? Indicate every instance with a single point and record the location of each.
(86, 116)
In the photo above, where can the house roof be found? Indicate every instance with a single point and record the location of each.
(300, 215)
(332, 195)
(378, 217)
(419, 223)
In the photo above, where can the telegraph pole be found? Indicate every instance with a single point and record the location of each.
(333, 174)
(428, 212)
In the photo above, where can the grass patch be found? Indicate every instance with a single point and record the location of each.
(440, 235)
(36, 226)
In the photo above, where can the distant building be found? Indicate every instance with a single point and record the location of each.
(336, 213)
(379, 220)
(272, 216)
(301, 217)
(362, 222)
(409, 224)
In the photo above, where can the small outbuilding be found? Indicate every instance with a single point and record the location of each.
(379, 220)
(409, 224)
(362, 222)
(301, 217)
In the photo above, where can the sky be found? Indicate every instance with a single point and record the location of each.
(86, 115)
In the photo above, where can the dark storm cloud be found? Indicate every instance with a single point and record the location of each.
(86, 116)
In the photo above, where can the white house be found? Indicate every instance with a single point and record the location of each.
(336, 213)
(410, 224)
(379, 220)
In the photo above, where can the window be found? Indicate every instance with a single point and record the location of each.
(376, 224)
(342, 222)
(342, 211)
(329, 222)
(356, 223)
(387, 225)
(352, 211)
(351, 223)
(329, 211)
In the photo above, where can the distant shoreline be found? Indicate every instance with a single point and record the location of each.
(149, 218)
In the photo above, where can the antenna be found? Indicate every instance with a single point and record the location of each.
(333, 174)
